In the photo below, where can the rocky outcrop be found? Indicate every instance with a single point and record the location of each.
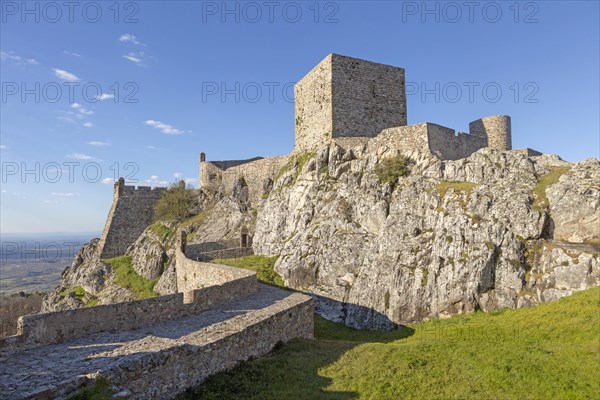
(451, 237)
(494, 230)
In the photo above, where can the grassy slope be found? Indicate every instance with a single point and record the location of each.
(125, 276)
(547, 352)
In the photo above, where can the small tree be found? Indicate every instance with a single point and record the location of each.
(390, 169)
(175, 203)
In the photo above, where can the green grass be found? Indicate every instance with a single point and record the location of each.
(545, 181)
(546, 352)
(125, 276)
(162, 231)
(263, 266)
(300, 158)
(443, 187)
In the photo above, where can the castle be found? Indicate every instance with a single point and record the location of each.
(353, 102)
(343, 100)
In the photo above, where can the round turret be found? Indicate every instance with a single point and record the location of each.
(497, 130)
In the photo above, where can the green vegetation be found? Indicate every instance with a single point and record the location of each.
(261, 264)
(443, 187)
(100, 390)
(547, 352)
(125, 276)
(389, 170)
(297, 161)
(93, 301)
(162, 231)
(545, 181)
(175, 203)
(78, 291)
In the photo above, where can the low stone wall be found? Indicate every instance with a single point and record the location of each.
(173, 370)
(43, 329)
(195, 274)
(200, 285)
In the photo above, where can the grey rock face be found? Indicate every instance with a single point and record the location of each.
(375, 255)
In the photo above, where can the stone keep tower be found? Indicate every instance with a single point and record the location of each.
(347, 97)
(497, 130)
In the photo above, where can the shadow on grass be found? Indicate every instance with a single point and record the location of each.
(291, 370)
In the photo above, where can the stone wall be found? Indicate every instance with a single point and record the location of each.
(367, 97)
(223, 175)
(173, 370)
(497, 130)
(447, 145)
(131, 212)
(192, 275)
(428, 137)
(43, 329)
(347, 97)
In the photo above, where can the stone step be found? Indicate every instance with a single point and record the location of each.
(162, 360)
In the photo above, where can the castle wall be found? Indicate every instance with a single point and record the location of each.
(428, 137)
(445, 144)
(347, 97)
(255, 173)
(367, 97)
(497, 130)
(131, 212)
(313, 96)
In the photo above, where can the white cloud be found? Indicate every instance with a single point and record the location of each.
(63, 194)
(136, 58)
(81, 109)
(177, 174)
(65, 75)
(155, 180)
(88, 124)
(79, 156)
(32, 61)
(191, 181)
(106, 96)
(71, 54)
(108, 181)
(9, 56)
(3, 147)
(151, 147)
(98, 143)
(127, 37)
(164, 128)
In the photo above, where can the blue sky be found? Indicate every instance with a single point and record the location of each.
(182, 77)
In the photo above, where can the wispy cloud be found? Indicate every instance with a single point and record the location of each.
(108, 181)
(106, 96)
(151, 147)
(98, 143)
(65, 75)
(71, 54)
(88, 124)
(81, 109)
(66, 119)
(177, 174)
(50, 201)
(80, 156)
(136, 58)
(164, 128)
(64, 194)
(3, 147)
(127, 37)
(11, 56)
